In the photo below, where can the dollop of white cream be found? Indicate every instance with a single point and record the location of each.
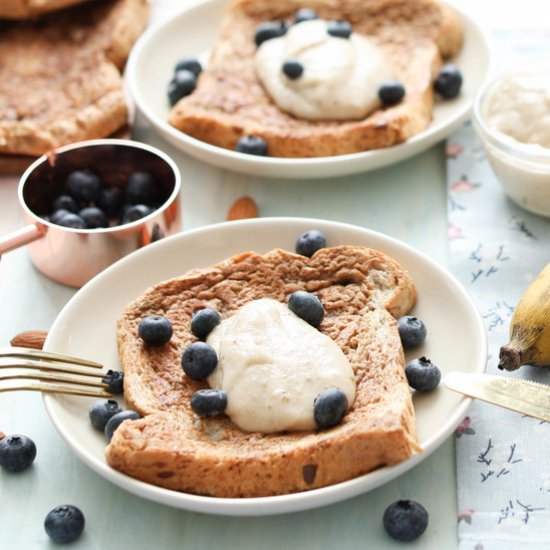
(341, 75)
(272, 365)
(519, 106)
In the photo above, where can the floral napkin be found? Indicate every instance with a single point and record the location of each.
(497, 248)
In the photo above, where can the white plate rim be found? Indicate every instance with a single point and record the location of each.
(307, 168)
(283, 503)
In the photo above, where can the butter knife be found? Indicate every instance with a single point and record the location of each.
(523, 396)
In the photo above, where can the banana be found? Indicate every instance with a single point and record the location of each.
(530, 327)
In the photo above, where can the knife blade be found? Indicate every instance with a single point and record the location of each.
(516, 394)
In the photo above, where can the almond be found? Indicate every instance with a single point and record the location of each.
(29, 339)
(242, 208)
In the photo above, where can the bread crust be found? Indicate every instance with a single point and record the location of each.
(26, 9)
(230, 102)
(362, 291)
(60, 78)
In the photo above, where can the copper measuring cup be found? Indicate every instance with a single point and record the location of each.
(73, 256)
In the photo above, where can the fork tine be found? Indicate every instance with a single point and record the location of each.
(55, 377)
(50, 367)
(47, 355)
(47, 387)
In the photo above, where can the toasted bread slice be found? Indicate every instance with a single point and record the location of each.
(230, 101)
(25, 9)
(60, 78)
(362, 291)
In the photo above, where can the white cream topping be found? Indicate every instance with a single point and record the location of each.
(519, 106)
(272, 365)
(341, 75)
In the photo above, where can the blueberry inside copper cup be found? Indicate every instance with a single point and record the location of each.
(91, 203)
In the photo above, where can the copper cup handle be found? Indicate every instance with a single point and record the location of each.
(21, 237)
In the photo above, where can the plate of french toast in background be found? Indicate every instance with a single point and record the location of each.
(308, 89)
(202, 457)
(61, 64)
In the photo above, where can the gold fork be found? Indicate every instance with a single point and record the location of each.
(36, 370)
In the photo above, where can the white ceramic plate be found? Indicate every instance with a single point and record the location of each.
(192, 32)
(86, 328)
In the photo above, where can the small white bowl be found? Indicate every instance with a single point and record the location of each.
(523, 169)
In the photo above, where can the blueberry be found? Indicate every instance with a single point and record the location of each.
(269, 30)
(209, 402)
(17, 453)
(340, 29)
(309, 242)
(391, 92)
(252, 145)
(58, 214)
(101, 410)
(155, 330)
(329, 407)
(412, 331)
(448, 81)
(203, 321)
(293, 69)
(64, 523)
(140, 188)
(136, 212)
(115, 380)
(94, 217)
(199, 360)
(405, 520)
(182, 84)
(305, 14)
(422, 374)
(84, 186)
(116, 420)
(65, 202)
(110, 200)
(307, 306)
(74, 221)
(189, 64)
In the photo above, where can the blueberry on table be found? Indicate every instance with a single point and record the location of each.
(391, 92)
(64, 523)
(74, 221)
(17, 453)
(252, 145)
(204, 321)
(405, 520)
(307, 306)
(293, 69)
(155, 330)
(305, 14)
(209, 402)
(199, 360)
(101, 410)
(189, 64)
(309, 242)
(329, 408)
(65, 202)
(94, 217)
(136, 212)
(412, 331)
(115, 380)
(84, 186)
(116, 420)
(182, 84)
(110, 200)
(448, 81)
(268, 30)
(422, 374)
(141, 188)
(338, 28)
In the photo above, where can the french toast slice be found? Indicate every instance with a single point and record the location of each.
(60, 79)
(362, 290)
(230, 102)
(25, 9)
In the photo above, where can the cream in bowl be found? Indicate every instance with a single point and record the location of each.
(511, 115)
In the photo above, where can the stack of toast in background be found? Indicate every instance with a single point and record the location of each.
(60, 73)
